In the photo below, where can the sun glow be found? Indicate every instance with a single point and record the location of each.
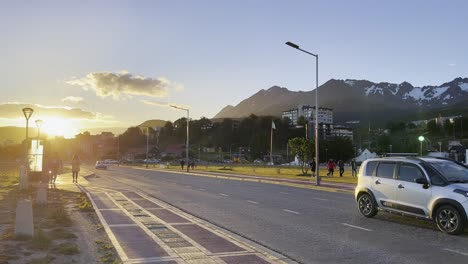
(59, 127)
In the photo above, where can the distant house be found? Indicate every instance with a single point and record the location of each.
(175, 150)
(458, 153)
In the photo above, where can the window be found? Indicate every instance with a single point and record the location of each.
(385, 170)
(370, 168)
(410, 173)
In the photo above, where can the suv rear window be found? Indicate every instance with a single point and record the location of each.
(370, 168)
(386, 170)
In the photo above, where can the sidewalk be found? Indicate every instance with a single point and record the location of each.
(146, 230)
(330, 186)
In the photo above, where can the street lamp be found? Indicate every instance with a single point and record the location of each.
(316, 109)
(39, 124)
(188, 122)
(27, 114)
(421, 139)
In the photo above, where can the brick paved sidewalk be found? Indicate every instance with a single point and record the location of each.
(146, 230)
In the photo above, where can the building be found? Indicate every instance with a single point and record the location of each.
(325, 115)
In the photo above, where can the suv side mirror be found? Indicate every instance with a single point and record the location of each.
(423, 181)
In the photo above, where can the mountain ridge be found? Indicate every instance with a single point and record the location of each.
(354, 99)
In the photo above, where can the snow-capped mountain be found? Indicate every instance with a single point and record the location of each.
(355, 99)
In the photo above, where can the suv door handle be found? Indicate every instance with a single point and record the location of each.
(377, 182)
(400, 186)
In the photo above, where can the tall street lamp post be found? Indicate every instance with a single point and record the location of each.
(421, 139)
(316, 109)
(39, 125)
(27, 114)
(188, 122)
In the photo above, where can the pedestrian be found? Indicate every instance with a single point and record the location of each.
(182, 163)
(76, 163)
(341, 166)
(55, 166)
(313, 166)
(331, 167)
(353, 168)
(188, 165)
(193, 164)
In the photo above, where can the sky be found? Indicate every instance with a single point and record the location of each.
(119, 63)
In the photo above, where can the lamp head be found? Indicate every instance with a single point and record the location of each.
(421, 138)
(292, 45)
(27, 112)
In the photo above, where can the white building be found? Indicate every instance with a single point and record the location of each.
(325, 115)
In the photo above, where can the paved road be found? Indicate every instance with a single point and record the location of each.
(310, 226)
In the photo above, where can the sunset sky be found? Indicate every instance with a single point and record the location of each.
(118, 63)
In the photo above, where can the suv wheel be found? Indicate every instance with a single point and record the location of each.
(366, 205)
(448, 220)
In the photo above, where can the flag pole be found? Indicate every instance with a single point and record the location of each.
(271, 143)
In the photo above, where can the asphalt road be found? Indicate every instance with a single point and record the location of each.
(309, 226)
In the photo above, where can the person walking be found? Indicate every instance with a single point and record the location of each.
(182, 163)
(55, 166)
(313, 166)
(353, 168)
(331, 167)
(76, 163)
(341, 166)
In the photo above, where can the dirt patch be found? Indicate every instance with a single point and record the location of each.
(66, 229)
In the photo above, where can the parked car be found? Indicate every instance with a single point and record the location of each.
(101, 165)
(428, 188)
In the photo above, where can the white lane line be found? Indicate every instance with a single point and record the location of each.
(358, 227)
(250, 201)
(320, 199)
(456, 251)
(290, 211)
(283, 192)
(202, 190)
(223, 194)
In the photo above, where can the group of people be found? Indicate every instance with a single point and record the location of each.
(190, 164)
(54, 166)
(331, 165)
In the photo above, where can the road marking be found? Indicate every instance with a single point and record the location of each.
(223, 194)
(320, 199)
(252, 202)
(290, 211)
(456, 251)
(202, 190)
(283, 192)
(358, 227)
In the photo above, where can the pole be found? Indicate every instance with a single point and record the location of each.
(287, 152)
(421, 148)
(147, 145)
(187, 147)
(317, 161)
(271, 145)
(27, 128)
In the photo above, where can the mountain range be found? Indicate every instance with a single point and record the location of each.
(358, 100)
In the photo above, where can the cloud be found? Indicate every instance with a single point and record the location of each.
(72, 99)
(452, 64)
(122, 84)
(14, 111)
(153, 103)
(162, 104)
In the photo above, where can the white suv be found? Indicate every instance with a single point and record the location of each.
(429, 188)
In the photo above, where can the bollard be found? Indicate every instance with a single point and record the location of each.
(23, 178)
(41, 197)
(24, 219)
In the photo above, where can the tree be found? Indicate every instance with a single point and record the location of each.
(304, 150)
